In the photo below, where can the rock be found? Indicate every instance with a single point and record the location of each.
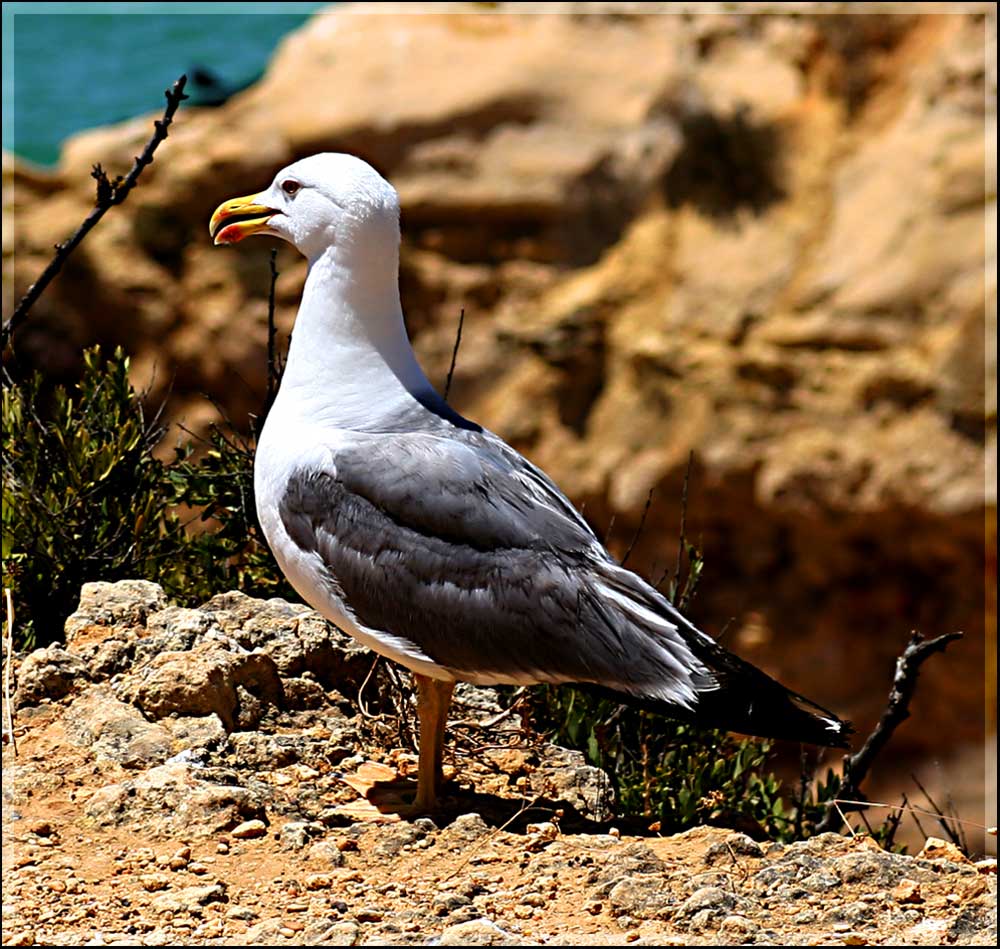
(851, 915)
(466, 828)
(116, 732)
(339, 934)
(564, 775)
(937, 849)
(391, 844)
(734, 846)
(328, 854)
(297, 638)
(874, 869)
(738, 929)
(248, 830)
(190, 899)
(123, 603)
(712, 898)
(642, 897)
(907, 891)
(301, 693)
(171, 798)
(479, 932)
(624, 862)
(296, 834)
(49, 673)
(206, 680)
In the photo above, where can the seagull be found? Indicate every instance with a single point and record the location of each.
(427, 537)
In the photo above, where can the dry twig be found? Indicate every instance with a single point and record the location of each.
(897, 710)
(454, 353)
(109, 193)
(7, 663)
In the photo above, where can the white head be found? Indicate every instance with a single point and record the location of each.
(327, 200)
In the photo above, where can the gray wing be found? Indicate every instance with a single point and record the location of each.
(462, 548)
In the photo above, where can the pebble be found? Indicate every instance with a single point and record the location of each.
(907, 891)
(40, 828)
(249, 829)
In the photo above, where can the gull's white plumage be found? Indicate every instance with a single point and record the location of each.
(430, 539)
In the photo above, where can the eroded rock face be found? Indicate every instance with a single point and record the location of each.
(198, 720)
(755, 238)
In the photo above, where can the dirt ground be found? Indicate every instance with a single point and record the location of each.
(497, 868)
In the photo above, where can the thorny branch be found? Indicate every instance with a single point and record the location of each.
(897, 710)
(109, 193)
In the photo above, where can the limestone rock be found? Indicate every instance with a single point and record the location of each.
(206, 680)
(49, 673)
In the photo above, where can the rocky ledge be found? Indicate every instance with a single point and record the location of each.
(178, 780)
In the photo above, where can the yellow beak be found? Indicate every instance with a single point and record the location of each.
(238, 218)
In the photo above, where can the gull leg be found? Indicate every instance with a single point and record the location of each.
(433, 700)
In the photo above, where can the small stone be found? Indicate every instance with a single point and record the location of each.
(477, 932)
(296, 834)
(712, 898)
(937, 849)
(907, 891)
(240, 912)
(368, 914)
(445, 903)
(738, 928)
(326, 853)
(318, 881)
(733, 847)
(40, 828)
(154, 882)
(249, 829)
(25, 938)
(467, 827)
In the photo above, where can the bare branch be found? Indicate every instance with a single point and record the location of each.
(638, 530)
(454, 354)
(8, 661)
(897, 710)
(109, 193)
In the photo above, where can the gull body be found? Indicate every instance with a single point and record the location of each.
(428, 538)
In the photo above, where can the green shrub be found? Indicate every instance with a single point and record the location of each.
(84, 498)
(680, 775)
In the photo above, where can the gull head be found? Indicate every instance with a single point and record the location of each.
(327, 200)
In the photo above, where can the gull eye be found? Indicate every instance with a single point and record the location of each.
(290, 187)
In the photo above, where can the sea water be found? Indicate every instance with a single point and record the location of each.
(73, 66)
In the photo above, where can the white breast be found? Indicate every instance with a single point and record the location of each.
(287, 446)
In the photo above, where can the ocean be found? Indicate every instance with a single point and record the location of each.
(73, 66)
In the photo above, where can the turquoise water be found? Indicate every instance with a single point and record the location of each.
(72, 66)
